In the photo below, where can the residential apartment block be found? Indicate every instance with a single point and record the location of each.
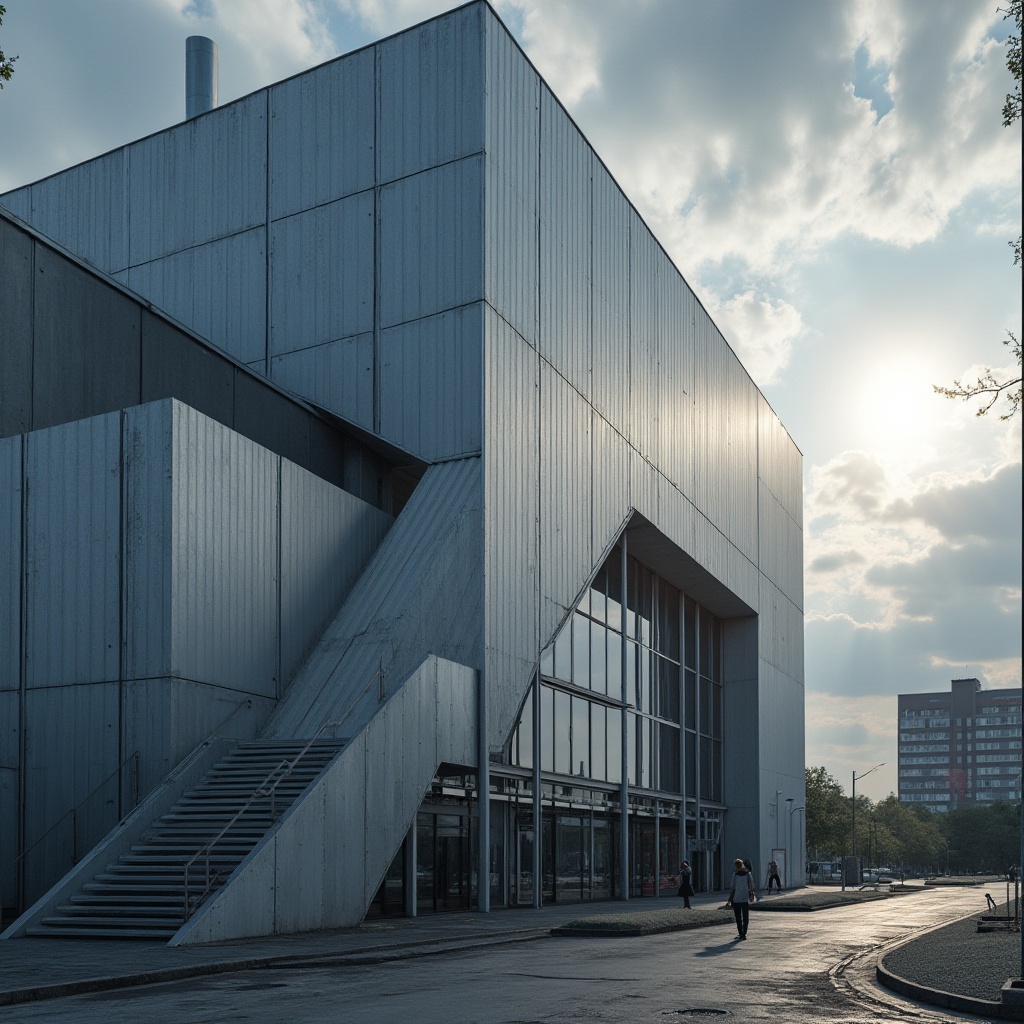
(960, 747)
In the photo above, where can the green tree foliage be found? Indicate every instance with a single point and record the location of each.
(6, 63)
(988, 387)
(984, 838)
(909, 836)
(828, 815)
(1011, 108)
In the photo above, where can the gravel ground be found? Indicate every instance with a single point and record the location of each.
(960, 959)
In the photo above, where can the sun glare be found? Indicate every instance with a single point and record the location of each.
(899, 412)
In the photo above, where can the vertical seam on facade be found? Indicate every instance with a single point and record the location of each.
(267, 310)
(128, 212)
(279, 687)
(122, 549)
(375, 417)
(23, 652)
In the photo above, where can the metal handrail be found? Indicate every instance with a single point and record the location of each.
(260, 790)
(74, 810)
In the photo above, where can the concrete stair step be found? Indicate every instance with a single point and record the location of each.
(120, 932)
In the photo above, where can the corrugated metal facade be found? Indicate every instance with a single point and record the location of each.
(421, 592)
(11, 493)
(73, 553)
(451, 267)
(173, 569)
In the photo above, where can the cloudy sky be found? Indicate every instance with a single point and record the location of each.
(833, 180)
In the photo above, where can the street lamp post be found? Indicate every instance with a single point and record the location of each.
(789, 837)
(853, 812)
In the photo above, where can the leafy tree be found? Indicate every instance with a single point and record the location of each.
(983, 838)
(828, 814)
(7, 63)
(912, 836)
(988, 386)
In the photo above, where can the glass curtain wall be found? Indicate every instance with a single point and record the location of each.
(640, 657)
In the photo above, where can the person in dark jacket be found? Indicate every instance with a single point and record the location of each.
(741, 895)
(686, 883)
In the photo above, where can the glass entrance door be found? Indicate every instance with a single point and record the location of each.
(442, 862)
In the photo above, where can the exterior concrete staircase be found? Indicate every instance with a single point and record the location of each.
(210, 830)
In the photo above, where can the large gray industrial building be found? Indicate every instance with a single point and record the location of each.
(367, 410)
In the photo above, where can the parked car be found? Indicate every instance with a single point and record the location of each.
(872, 875)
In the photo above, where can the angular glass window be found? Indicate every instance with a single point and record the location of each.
(580, 736)
(562, 734)
(580, 650)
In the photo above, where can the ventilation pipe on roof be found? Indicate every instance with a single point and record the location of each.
(200, 76)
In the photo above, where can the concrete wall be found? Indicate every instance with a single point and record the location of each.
(420, 595)
(321, 865)
(159, 570)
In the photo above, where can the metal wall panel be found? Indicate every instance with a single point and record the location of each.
(421, 593)
(430, 376)
(430, 95)
(148, 567)
(781, 636)
(675, 376)
(173, 364)
(84, 209)
(512, 95)
(327, 539)
(202, 180)
(779, 464)
(565, 241)
(566, 556)
(165, 719)
(225, 559)
(229, 304)
(610, 494)
(169, 284)
(322, 274)
(644, 391)
(79, 322)
(11, 496)
(72, 552)
(511, 542)
(18, 202)
(217, 290)
(321, 134)
(431, 242)
(610, 300)
(10, 834)
(71, 747)
(337, 376)
(16, 273)
(161, 183)
(781, 732)
(780, 546)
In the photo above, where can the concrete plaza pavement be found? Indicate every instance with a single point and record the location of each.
(494, 969)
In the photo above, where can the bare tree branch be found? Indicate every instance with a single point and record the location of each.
(987, 385)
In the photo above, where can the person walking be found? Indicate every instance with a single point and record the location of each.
(741, 895)
(685, 883)
(773, 876)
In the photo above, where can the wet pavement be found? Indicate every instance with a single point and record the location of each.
(502, 968)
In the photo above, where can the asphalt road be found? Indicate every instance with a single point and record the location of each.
(794, 968)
